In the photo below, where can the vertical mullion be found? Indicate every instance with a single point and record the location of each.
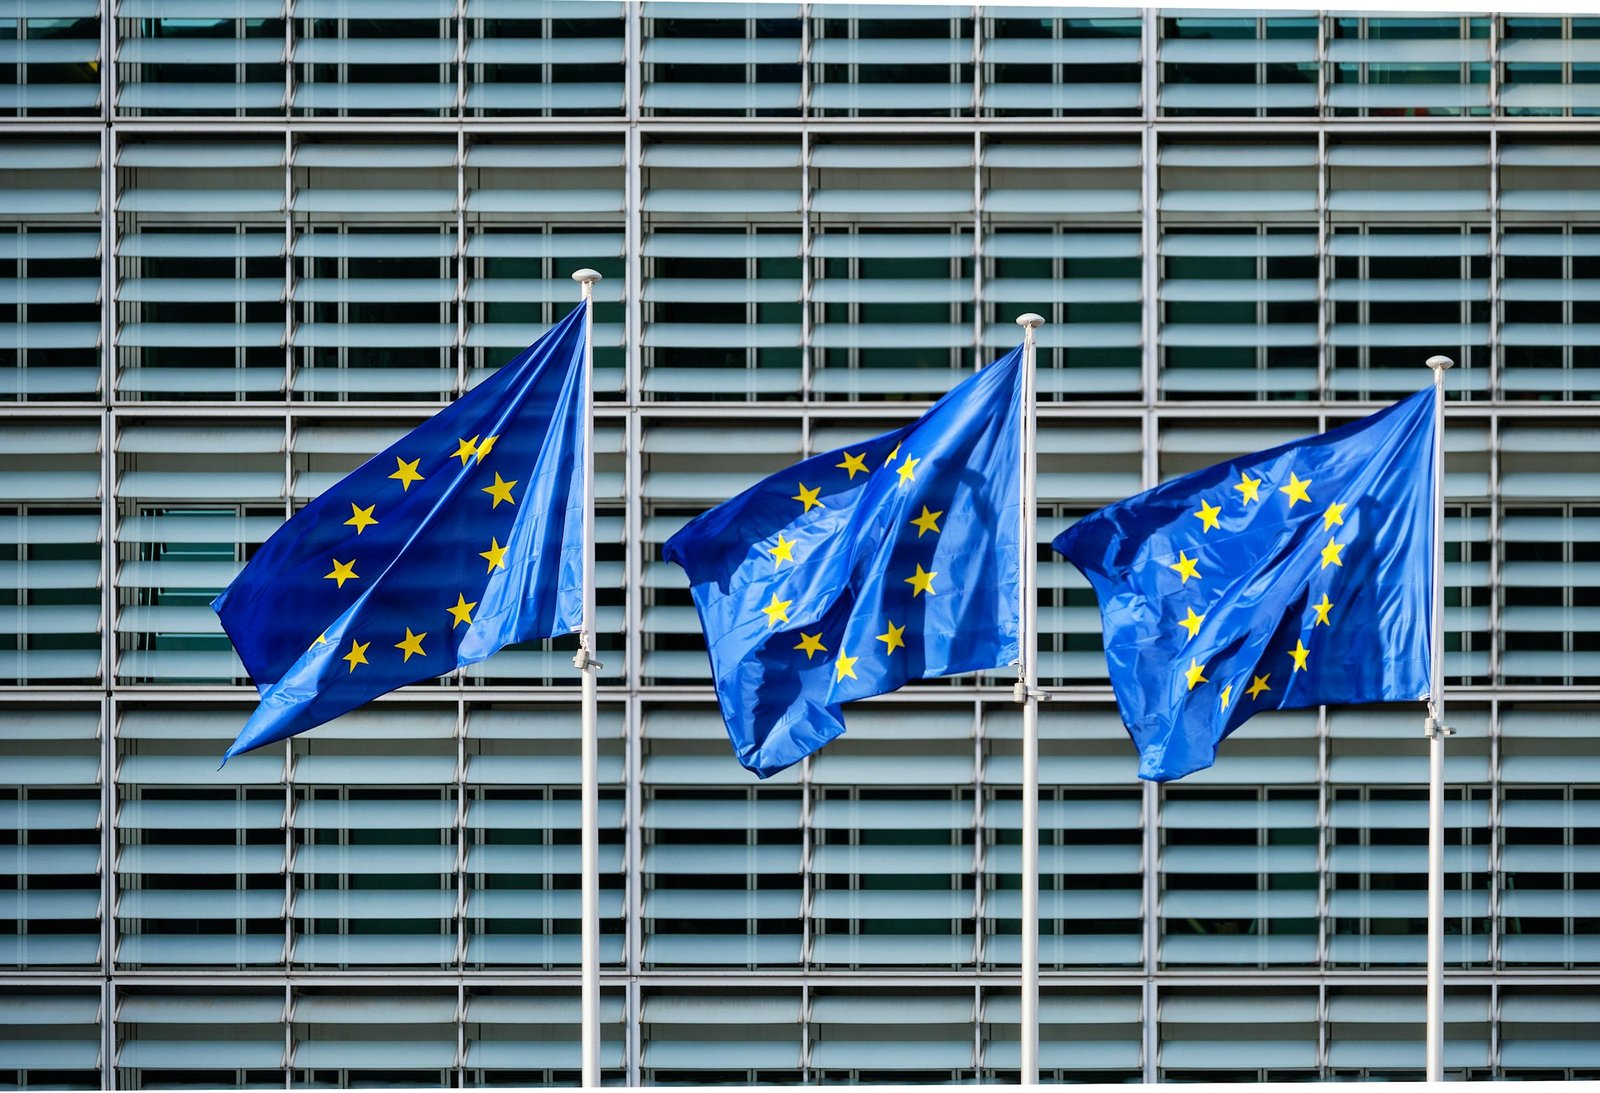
(1495, 362)
(460, 252)
(108, 570)
(1150, 272)
(288, 268)
(978, 308)
(807, 364)
(1324, 268)
(459, 836)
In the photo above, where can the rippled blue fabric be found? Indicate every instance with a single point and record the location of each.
(462, 537)
(856, 571)
(1311, 587)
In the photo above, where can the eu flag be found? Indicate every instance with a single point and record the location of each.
(1293, 577)
(463, 536)
(856, 571)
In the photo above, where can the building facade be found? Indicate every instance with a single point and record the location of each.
(247, 244)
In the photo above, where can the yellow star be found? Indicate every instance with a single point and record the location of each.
(1299, 652)
(342, 572)
(483, 449)
(361, 518)
(892, 638)
(928, 521)
(808, 498)
(466, 449)
(1192, 623)
(783, 552)
(907, 470)
(462, 611)
(844, 666)
(853, 463)
(496, 555)
(777, 611)
(1334, 515)
(921, 581)
(407, 472)
(812, 644)
(1322, 610)
(1248, 488)
(1296, 489)
(1185, 567)
(1330, 554)
(500, 491)
(322, 639)
(891, 455)
(1208, 514)
(1257, 685)
(1192, 673)
(1227, 693)
(357, 653)
(412, 644)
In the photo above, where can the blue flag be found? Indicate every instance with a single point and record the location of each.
(464, 536)
(1293, 577)
(856, 571)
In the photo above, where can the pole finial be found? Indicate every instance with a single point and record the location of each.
(1030, 321)
(586, 276)
(1437, 363)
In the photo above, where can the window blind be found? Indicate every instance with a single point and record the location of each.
(356, 57)
(1385, 1031)
(1396, 66)
(1088, 285)
(51, 823)
(52, 60)
(217, 1029)
(201, 57)
(51, 1035)
(723, 314)
(1238, 67)
(1399, 296)
(511, 1031)
(1545, 1027)
(887, 323)
(865, 1034)
(721, 867)
(563, 58)
(201, 854)
(1086, 64)
(1211, 1030)
(887, 60)
(1236, 891)
(694, 67)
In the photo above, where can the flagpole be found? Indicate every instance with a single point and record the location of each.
(1436, 732)
(1027, 693)
(586, 664)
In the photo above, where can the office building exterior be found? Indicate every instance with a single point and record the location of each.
(247, 244)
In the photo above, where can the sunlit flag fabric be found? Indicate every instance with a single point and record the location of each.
(462, 537)
(1298, 576)
(856, 571)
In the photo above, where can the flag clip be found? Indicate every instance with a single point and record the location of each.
(582, 661)
(1432, 728)
(1021, 692)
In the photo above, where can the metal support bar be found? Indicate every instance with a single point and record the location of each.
(1027, 693)
(585, 662)
(1436, 732)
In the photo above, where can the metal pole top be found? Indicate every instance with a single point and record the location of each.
(586, 276)
(1438, 363)
(1030, 320)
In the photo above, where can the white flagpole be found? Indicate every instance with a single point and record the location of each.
(1027, 693)
(584, 661)
(1436, 732)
